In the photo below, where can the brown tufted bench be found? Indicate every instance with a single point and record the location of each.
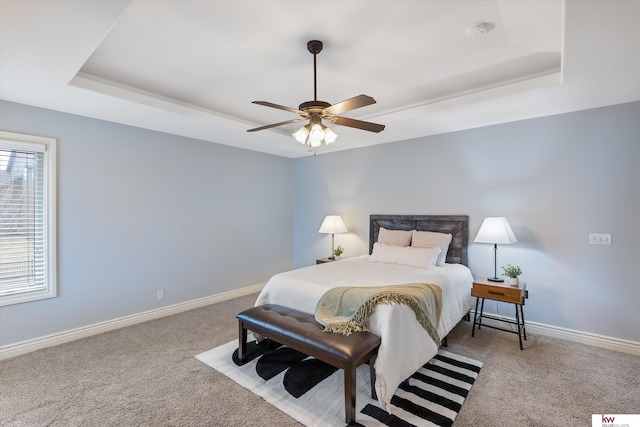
(301, 332)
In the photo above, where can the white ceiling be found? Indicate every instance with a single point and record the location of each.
(192, 68)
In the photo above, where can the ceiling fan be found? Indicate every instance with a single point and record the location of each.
(315, 132)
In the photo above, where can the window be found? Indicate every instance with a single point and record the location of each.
(27, 218)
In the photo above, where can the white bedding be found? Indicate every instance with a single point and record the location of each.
(405, 345)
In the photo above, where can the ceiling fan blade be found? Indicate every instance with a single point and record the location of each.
(348, 105)
(276, 124)
(280, 107)
(358, 124)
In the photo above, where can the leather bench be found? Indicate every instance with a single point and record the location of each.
(301, 332)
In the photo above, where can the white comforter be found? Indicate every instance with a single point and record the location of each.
(405, 345)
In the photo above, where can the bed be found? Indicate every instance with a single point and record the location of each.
(405, 344)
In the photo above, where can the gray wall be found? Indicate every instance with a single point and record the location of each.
(140, 211)
(556, 179)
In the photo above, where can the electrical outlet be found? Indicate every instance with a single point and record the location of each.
(600, 239)
(160, 294)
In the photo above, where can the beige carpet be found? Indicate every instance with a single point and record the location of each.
(147, 375)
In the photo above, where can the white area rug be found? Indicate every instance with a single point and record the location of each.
(432, 397)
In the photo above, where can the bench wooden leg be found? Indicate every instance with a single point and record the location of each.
(372, 376)
(350, 394)
(270, 345)
(242, 341)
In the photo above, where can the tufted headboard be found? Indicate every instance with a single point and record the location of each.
(457, 225)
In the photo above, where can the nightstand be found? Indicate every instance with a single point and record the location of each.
(323, 260)
(500, 291)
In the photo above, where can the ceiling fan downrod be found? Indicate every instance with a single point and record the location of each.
(315, 47)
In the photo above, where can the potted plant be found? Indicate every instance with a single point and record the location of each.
(337, 252)
(512, 271)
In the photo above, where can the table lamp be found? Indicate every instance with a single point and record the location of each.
(495, 230)
(332, 224)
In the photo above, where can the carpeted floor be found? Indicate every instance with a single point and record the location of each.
(147, 375)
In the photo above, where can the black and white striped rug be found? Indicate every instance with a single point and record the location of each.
(312, 392)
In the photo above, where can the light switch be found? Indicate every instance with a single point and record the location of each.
(600, 239)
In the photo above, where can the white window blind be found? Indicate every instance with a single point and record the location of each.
(27, 218)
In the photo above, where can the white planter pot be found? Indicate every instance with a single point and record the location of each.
(513, 281)
(336, 257)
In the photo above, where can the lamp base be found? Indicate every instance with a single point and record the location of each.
(495, 279)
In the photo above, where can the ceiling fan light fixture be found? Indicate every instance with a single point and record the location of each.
(314, 134)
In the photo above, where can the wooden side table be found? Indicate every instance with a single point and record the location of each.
(323, 260)
(499, 291)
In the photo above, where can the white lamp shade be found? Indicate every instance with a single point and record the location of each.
(301, 135)
(495, 230)
(329, 136)
(333, 224)
(316, 135)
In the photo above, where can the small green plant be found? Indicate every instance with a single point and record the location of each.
(511, 270)
(338, 251)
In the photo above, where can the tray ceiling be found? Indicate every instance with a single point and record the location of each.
(192, 68)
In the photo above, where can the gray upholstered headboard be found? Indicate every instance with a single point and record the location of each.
(457, 225)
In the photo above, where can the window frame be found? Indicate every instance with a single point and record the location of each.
(51, 280)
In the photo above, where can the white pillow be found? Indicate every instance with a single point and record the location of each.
(394, 237)
(405, 255)
(430, 239)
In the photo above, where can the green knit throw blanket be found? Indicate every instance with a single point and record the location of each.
(347, 309)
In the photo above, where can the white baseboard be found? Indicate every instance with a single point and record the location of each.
(24, 347)
(28, 346)
(615, 344)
